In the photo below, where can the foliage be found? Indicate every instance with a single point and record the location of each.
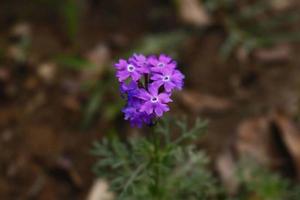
(74, 62)
(164, 165)
(266, 185)
(101, 100)
(158, 166)
(99, 90)
(70, 11)
(252, 24)
(167, 42)
(248, 25)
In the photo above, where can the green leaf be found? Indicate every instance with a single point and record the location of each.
(162, 42)
(71, 14)
(73, 62)
(93, 106)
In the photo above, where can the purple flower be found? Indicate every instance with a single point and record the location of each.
(170, 79)
(128, 70)
(137, 118)
(140, 61)
(154, 102)
(146, 83)
(161, 63)
(128, 87)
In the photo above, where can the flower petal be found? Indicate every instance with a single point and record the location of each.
(147, 107)
(158, 111)
(164, 98)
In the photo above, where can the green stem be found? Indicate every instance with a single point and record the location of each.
(156, 164)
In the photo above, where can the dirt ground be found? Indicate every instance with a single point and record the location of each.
(45, 154)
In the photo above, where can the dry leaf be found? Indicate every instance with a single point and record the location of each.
(99, 191)
(193, 12)
(17, 50)
(242, 54)
(100, 56)
(291, 137)
(260, 139)
(70, 102)
(280, 5)
(5, 74)
(65, 164)
(21, 30)
(16, 53)
(198, 102)
(7, 135)
(226, 168)
(279, 53)
(47, 71)
(253, 139)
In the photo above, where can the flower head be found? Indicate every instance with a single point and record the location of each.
(128, 87)
(170, 79)
(146, 83)
(128, 70)
(161, 63)
(140, 61)
(154, 102)
(136, 117)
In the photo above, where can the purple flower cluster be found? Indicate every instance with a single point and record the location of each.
(146, 83)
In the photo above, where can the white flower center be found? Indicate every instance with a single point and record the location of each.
(130, 68)
(161, 64)
(154, 99)
(166, 78)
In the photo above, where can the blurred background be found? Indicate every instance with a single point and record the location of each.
(58, 92)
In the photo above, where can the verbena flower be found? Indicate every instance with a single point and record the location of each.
(130, 87)
(147, 83)
(154, 102)
(168, 78)
(140, 61)
(136, 117)
(128, 70)
(163, 62)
